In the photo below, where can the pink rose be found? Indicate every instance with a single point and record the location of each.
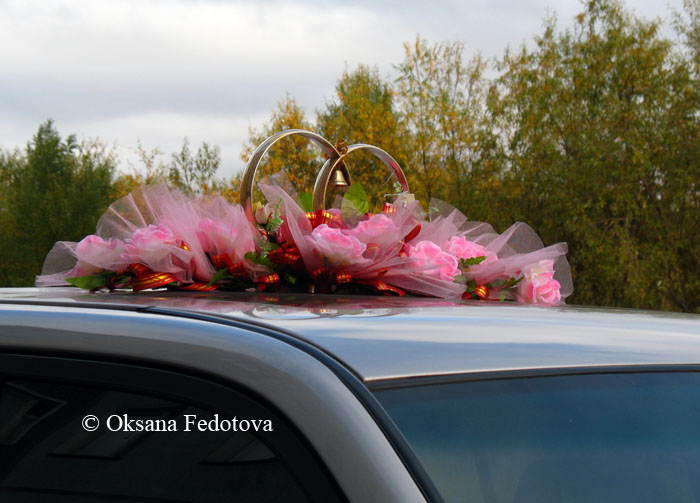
(460, 247)
(377, 229)
(150, 245)
(262, 215)
(438, 264)
(538, 285)
(99, 253)
(337, 247)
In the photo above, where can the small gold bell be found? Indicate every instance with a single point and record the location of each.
(338, 178)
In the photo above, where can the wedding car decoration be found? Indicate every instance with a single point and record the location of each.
(157, 237)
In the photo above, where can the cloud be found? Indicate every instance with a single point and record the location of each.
(165, 69)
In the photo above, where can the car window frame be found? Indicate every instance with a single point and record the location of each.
(205, 392)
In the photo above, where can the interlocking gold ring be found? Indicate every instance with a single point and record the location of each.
(321, 185)
(335, 161)
(246, 193)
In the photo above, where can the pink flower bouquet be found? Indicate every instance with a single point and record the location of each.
(159, 238)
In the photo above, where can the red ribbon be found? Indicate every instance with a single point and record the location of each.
(269, 281)
(319, 217)
(143, 277)
(382, 287)
(288, 253)
(481, 292)
(408, 237)
(222, 261)
(152, 280)
(319, 273)
(198, 287)
(343, 277)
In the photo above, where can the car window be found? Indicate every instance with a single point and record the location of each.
(623, 437)
(82, 441)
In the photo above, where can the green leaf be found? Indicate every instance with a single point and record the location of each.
(290, 278)
(471, 286)
(513, 281)
(307, 201)
(268, 246)
(465, 263)
(220, 275)
(92, 281)
(274, 224)
(460, 279)
(260, 258)
(358, 197)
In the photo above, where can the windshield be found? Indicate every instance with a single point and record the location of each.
(624, 437)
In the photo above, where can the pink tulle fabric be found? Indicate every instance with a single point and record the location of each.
(160, 228)
(430, 265)
(433, 255)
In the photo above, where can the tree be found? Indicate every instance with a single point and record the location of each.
(55, 191)
(195, 173)
(442, 101)
(192, 174)
(363, 111)
(296, 158)
(600, 142)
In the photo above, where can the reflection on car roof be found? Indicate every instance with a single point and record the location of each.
(387, 337)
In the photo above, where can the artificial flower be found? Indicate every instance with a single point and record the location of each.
(149, 245)
(337, 247)
(462, 248)
(437, 263)
(378, 229)
(538, 285)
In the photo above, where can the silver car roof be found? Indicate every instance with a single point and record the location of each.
(389, 337)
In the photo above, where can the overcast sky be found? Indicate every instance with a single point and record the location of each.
(162, 70)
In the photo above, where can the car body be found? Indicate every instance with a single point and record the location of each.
(320, 367)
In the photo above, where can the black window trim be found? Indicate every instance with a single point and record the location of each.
(488, 375)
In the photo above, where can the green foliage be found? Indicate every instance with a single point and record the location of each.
(355, 203)
(260, 258)
(191, 173)
(55, 191)
(599, 144)
(92, 281)
(363, 111)
(296, 158)
(194, 173)
(306, 200)
(442, 101)
(465, 263)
